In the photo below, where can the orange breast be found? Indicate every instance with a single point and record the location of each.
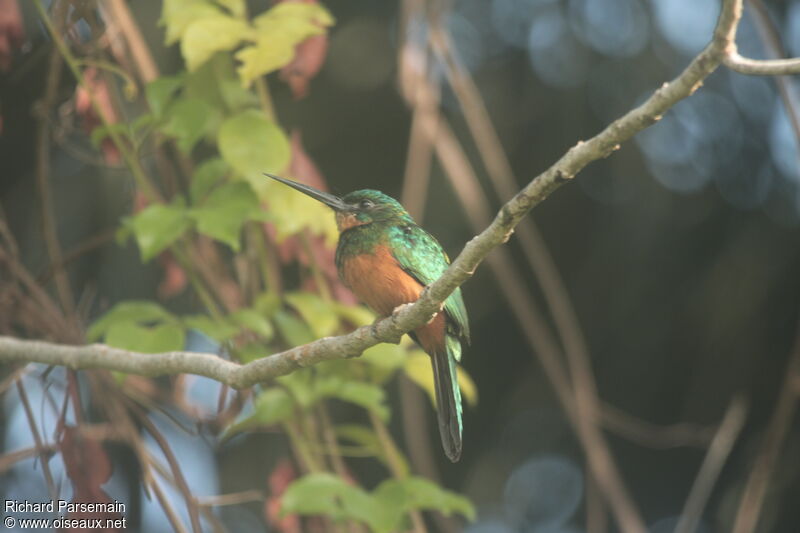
(379, 281)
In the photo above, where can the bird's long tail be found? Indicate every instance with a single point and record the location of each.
(448, 396)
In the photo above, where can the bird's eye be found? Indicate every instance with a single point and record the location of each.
(365, 204)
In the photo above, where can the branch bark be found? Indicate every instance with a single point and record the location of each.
(409, 317)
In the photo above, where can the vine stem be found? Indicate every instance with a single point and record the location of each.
(395, 464)
(132, 161)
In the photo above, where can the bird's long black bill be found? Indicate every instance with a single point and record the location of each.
(326, 198)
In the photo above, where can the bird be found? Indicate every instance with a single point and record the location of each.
(386, 259)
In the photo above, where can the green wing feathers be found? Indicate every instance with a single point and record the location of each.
(419, 254)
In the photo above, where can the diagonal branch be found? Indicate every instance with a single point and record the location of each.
(414, 315)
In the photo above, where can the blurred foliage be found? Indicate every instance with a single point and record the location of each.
(219, 107)
(382, 509)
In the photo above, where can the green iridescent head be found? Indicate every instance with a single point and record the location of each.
(357, 208)
(369, 205)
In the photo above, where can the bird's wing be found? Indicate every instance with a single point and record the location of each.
(422, 257)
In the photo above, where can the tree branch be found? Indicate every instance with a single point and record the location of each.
(762, 67)
(414, 315)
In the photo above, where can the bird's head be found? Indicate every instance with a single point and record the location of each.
(356, 208)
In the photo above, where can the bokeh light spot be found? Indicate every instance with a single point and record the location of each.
(512, 19)
(360, 56)
(686, 24)
(556, 56)
(490, 525)
(613, 27)
(744, 188)
(543, 492)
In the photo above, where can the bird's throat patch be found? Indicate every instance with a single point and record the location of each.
(345, 221)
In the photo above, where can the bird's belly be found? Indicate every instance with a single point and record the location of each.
(379, 281)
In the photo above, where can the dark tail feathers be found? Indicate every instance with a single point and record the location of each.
(448, 397)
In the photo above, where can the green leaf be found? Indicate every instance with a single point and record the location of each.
(254, 321)
(160, 93)
(208, 174)
(177, 15)
(137, 338)
(300, 385)
(293, 330)
(293, 212)
(205, 36)
(419, 369)
(188, 121)
(294, 17)
(468, 388)
(328, 495)
(279, 30)
(262, 58)
(219, 330)
(383, 510)
(357, 315)
(253, 144)
(385, 356)
(157, 226)
(272, 406)
(216, 83)
(383, 360)
(366, 395)
(317, 313)
(365, 438)
(102, 131)
(358, 434)
(315, 494)
(234, 96)
(224, 212)
(418, 493)
(237, 8)
(137, 312)
(267, 303)
(252, 351)
(141, 126)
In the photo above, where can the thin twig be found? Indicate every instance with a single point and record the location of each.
(233, 498)
(762, 67)
(37, 439)
(172, 516)
(95, 241)
(177, 473)
(770, 36)
(596, 511)
(652, 435)
(46, 205)
(715, 459)
(755, 490)
(123, 19)
(9, 459)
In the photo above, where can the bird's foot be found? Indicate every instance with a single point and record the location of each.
(373, 328)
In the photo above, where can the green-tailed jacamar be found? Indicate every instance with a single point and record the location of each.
(386, 260)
